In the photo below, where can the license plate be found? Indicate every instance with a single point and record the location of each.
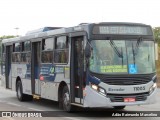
(129, 99)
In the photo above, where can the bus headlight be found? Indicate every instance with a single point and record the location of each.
(98, 89)
(152, 88)
(95, 87)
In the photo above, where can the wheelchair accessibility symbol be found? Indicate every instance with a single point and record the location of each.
(132, 69)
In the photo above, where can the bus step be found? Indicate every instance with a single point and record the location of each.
(36, 96)
(76, 104)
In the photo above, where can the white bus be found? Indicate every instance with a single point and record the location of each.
(90, 65)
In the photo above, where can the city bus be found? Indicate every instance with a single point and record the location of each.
(91, 65)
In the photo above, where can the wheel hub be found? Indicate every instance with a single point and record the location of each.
(66, 99)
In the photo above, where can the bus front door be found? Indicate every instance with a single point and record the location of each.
(35, 68)
(77, 69)
(8, 67)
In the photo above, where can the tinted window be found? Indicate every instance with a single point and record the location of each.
(61, 56)
(47, 56)
(17, 47)
(26, 57)
(61, 50)
(47, 50)
(16, 57)
(27, 46)
(47, 44)
(61, 42)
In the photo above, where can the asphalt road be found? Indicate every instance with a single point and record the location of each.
(9, 102)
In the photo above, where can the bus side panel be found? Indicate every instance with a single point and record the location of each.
(14, 75)
(26, 86)
(49, 90)
(49, 86)
(21, 71)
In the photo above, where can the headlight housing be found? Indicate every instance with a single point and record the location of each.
(99, 89)
(152, 88)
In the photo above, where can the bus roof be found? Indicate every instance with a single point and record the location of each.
(51, 31)
(44, 29)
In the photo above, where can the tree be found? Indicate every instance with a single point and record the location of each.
(4, 37)
(156, 31)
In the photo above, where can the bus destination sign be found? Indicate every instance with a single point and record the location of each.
(122, 30)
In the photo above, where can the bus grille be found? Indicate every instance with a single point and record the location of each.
(120, 98)
(124, 79)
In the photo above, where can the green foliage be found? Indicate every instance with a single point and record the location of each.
(156, 31)
(6, 37)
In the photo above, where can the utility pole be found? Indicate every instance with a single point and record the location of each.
(17, 31)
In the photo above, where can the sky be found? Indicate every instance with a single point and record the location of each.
(28, 15)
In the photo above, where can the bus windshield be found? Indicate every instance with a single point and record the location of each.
(122, 57)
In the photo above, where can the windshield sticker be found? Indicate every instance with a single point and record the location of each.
(113, 68)
(132, 69)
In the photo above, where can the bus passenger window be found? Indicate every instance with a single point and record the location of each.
(16, 57)
(17, 47)
(47, 56)
(27, 46)
(61, 50)
(23, 57)
(47, 44)
(47, 50)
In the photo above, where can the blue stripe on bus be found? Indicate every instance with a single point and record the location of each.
(48, 72)
(92, 79)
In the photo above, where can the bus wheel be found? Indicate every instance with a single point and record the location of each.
(66, 100)
(19, 91)
(20, 95)
(119, 107)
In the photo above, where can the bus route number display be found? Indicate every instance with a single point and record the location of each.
(121, 30)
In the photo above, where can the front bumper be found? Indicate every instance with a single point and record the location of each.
(94, 99)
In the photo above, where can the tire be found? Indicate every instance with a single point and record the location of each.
(66, 103)
(22, 97)
(119, 107)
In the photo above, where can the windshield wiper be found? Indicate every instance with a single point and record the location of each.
(137, 45)
(133, 52)
(113, 45)
(120, 54)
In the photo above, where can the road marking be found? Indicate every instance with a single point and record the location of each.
(10, 103)
(35, 109)
(71, 118)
